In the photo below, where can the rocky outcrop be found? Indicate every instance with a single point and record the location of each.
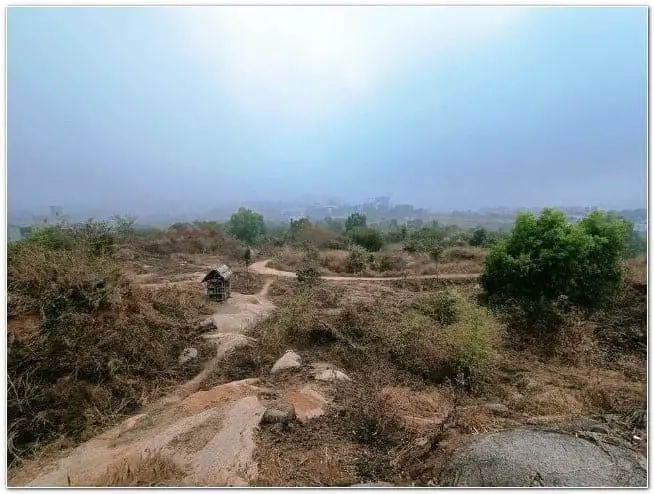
(290, 360)
(524, 457)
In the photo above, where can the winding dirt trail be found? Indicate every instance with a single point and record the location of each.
(209, 435)
(262, 268)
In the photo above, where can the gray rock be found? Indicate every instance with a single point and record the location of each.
(497, 408)
(278, 412)
(290, 360)
(207, 325)
(332, 375)
(188, 354)
(525, 457)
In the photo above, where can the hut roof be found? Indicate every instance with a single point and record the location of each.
(221, 271)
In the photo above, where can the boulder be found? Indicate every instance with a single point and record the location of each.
(278, 412)
(207, 325)
(308, 403)
(332, 375)
(524, 457)
(188, 354)
(290, 360)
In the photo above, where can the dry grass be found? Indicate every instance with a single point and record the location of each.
(246, 282)
(149, 470)
(97, 346)
(388, 262)
(190, 240)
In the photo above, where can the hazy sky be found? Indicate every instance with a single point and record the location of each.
(443, 107)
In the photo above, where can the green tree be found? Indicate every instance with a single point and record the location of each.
(298, 226)
(435, 253)
(355, 220)
(368, 238)
(246, 225)
(479, 237)
(247, 260)
(124, 224)
(546, 260)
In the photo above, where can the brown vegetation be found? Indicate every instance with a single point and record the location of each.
(86, 346)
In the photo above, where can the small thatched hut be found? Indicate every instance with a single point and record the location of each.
(219, 283)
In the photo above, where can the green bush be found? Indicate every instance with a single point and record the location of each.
(356, 260)
(389, 262)
(355, 220)
(424, 240)
(441, 306)
(547, 264)
(368, 238)
(469, 342)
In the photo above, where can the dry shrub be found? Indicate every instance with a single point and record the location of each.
(101, 346)
(619, 397)
(622, 322)
(189, 239)
(246, 282)
(335, 261)
(282, 287)
(372, 420)
(476, 420)
(463, 254)
(180, 302)
(287, 259)
(388, 262)
(549, 401)
(241, 363)
(321, 237)
(575, 342)
(149, 470)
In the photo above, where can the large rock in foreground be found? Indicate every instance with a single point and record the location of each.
(525, 457)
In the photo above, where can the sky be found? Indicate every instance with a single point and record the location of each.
(183, 108)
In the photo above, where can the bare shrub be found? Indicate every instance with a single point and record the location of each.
(463, 254)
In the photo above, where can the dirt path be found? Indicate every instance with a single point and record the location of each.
(262, 268)
(207, 434)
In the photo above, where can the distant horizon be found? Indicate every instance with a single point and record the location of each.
(78, 209)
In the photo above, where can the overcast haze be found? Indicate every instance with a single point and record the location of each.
(139, 109)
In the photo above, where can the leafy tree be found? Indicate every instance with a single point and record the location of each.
(368, 238)
(247, 260)
(479, 237)
(246, 225)
(424, 239)
(124, 224)
(247, 257)
(355, 220)
(335, 224)
(435, 254)
(547, 260)
(298, 226)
